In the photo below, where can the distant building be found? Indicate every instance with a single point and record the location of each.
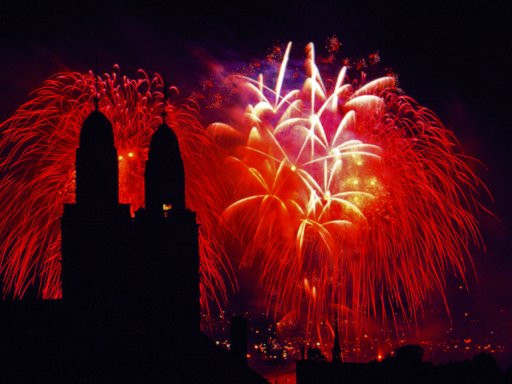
(406, 367)
(130, 308)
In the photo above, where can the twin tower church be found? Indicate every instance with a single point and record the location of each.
(130, 307)
(146, 268)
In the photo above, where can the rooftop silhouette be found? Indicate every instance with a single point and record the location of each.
(404, 367)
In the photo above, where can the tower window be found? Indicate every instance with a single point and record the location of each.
(166, 208)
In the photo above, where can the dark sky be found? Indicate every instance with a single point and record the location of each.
(452, 56)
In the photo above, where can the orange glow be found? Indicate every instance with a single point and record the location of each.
(166, 207)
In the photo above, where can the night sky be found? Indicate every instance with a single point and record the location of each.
(453, 58)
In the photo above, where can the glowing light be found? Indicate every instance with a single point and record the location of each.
(166, 207)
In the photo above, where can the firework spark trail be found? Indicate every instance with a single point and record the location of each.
(351, 200)
(37, 150)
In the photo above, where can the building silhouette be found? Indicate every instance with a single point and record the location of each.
(130, 308)
(405, 367)
(336, 349)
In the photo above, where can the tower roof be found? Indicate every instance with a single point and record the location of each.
(97, 131)
(164, 140)
(164, 174)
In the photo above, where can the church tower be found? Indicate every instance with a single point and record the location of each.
(95, 229)
(168, 235)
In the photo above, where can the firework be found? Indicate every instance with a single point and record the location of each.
(348, 198)
(37, 167)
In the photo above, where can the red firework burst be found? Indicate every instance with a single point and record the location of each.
(351, 201)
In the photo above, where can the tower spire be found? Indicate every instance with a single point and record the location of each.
(165, 97)
(336, 350)
(97, 173)
(164, 175)
(96, 99)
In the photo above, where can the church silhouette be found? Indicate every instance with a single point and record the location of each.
(130, 309)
